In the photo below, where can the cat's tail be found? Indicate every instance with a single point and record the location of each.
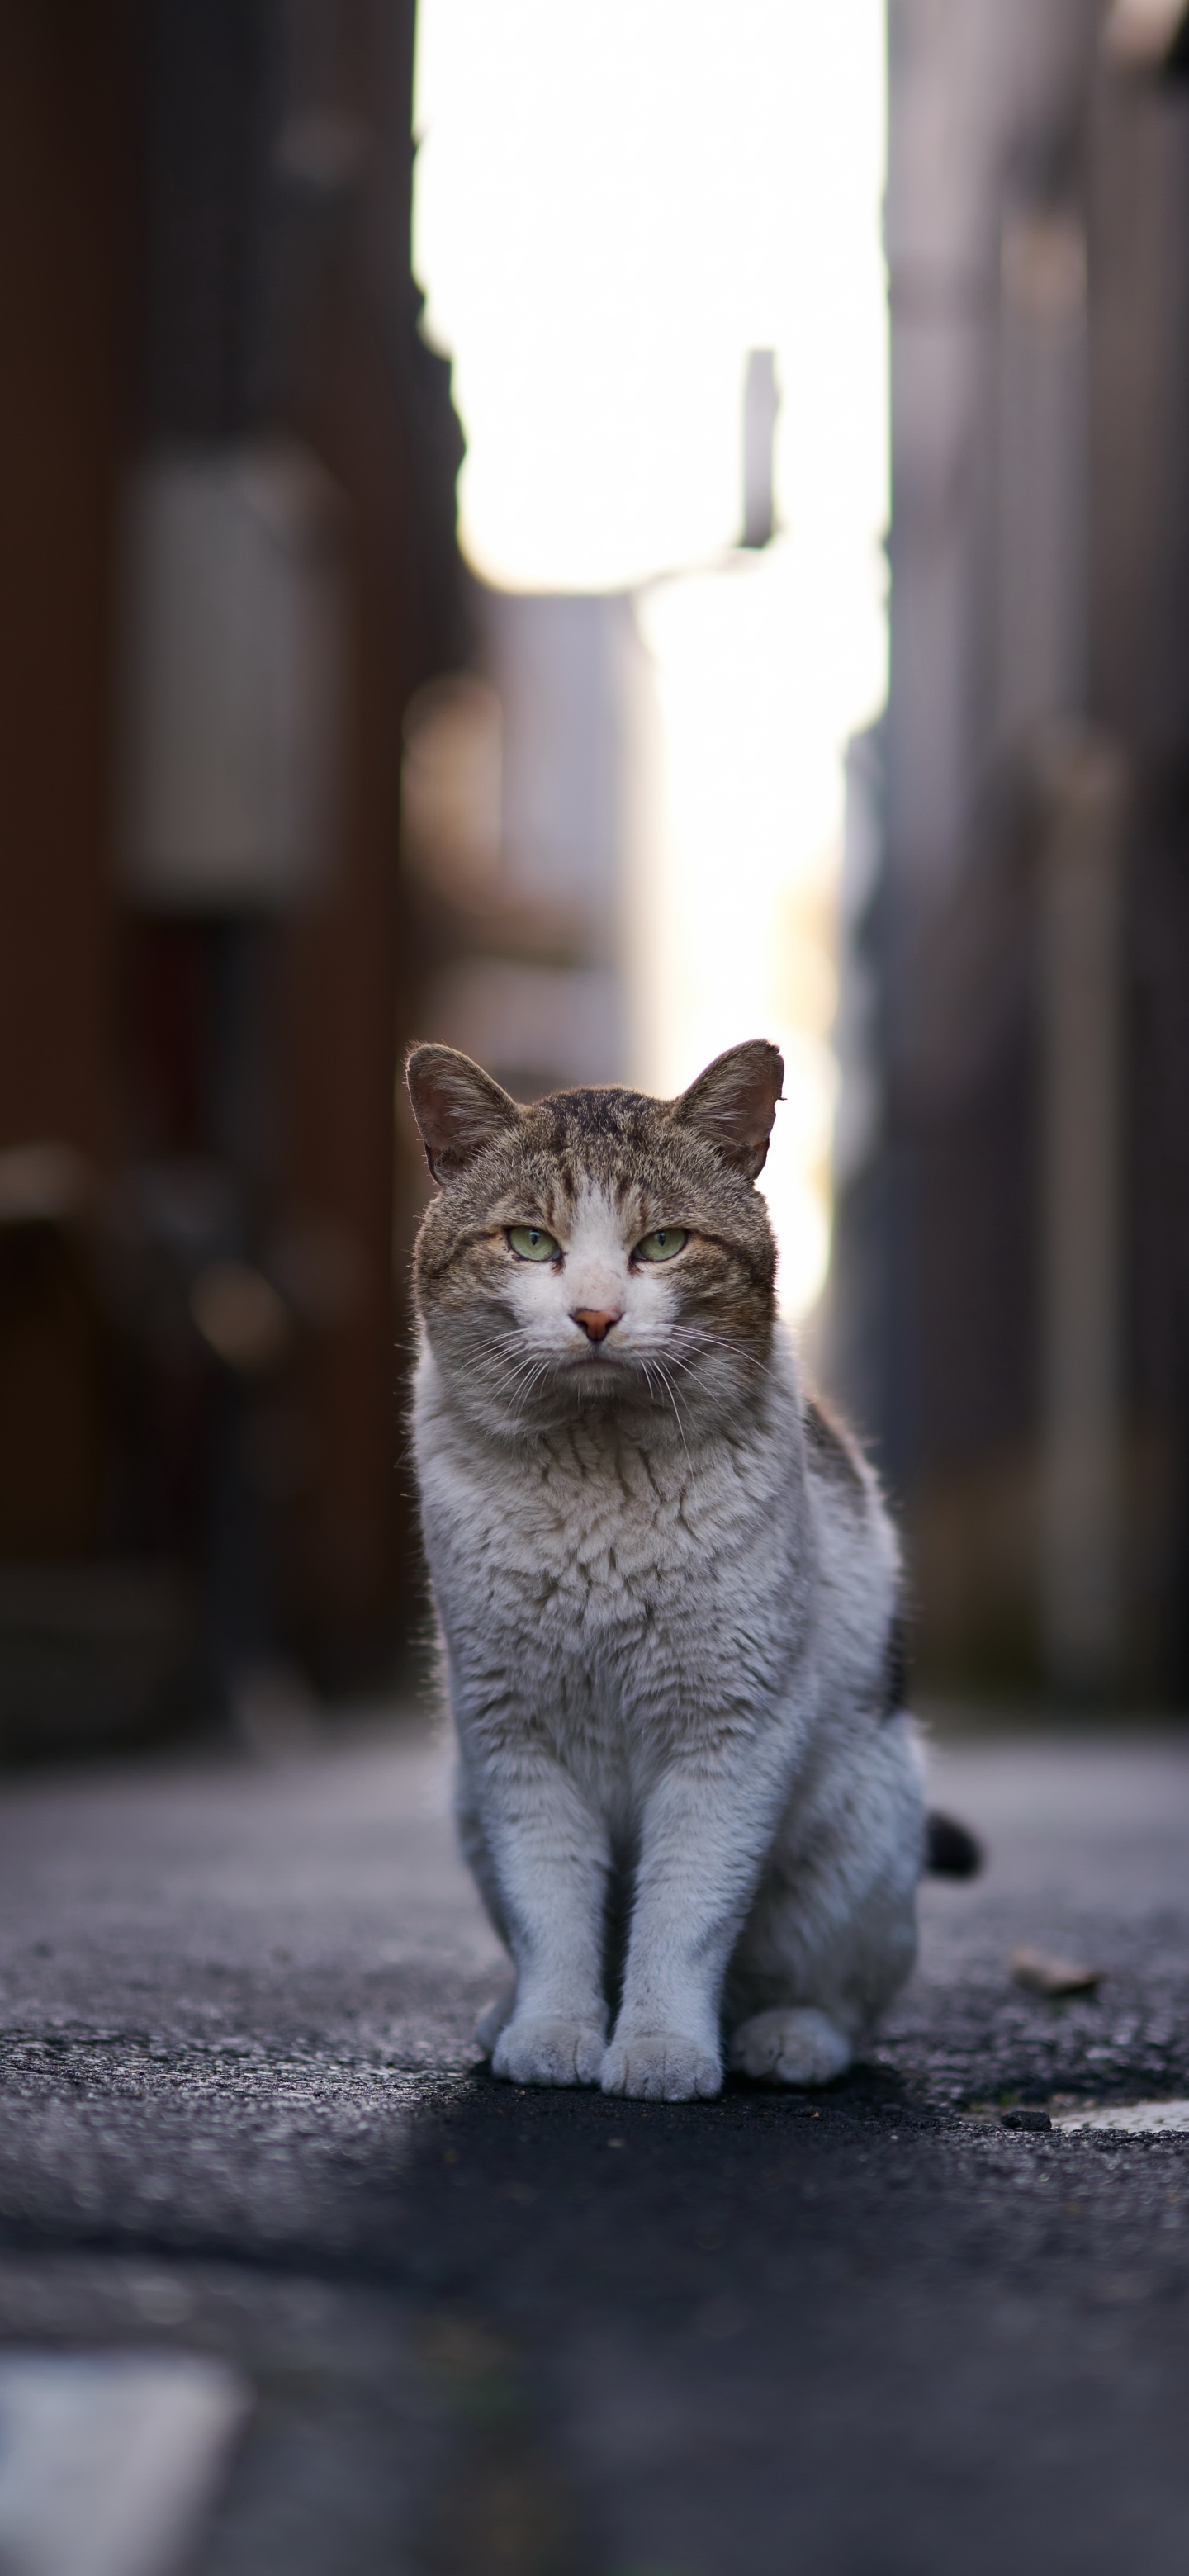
(951, 1850)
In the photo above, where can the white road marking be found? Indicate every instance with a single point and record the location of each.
(1139, 2116)
(108, 2460)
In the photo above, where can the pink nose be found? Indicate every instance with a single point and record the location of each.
(595, 1324)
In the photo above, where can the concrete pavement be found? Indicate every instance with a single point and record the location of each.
(871, 2334)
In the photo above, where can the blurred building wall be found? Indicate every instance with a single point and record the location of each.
(533, 983)
(207, 289)
(63, 163)
(1011, 1313)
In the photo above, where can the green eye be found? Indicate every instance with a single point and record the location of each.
(662, 1245)
(531, 1242)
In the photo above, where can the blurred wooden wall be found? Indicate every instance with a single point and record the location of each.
(173, 269)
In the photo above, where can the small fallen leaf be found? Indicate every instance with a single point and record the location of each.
(1044, 1975)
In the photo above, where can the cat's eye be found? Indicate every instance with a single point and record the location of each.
(531, 1242)
(661, 1245)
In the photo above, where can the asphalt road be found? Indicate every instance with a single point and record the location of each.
(869, 2334)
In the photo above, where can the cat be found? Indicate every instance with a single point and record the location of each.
(668, 1593)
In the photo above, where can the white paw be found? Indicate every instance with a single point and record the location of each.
(661, 2066)
(790, 2047)
(494, 2020)
(548, 2052)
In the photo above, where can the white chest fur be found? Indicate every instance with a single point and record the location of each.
(591, 1546)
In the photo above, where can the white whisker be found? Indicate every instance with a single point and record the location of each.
(672, 1396)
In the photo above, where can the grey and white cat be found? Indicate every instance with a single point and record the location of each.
(667, 1590)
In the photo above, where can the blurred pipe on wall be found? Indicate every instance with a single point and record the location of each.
(761, 410)
(234, 691)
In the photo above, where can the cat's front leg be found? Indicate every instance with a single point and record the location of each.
(550, 1857)
(706, 1830)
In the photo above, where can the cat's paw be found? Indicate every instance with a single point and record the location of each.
(790, 2046)
(494, 2020)
(548, 2052)
(661, 2066)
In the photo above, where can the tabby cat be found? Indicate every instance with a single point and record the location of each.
(667, 1589)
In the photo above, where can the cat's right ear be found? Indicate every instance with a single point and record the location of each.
(458, 1108)
(734, 1102)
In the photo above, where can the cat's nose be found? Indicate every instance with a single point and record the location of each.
(596, 1322)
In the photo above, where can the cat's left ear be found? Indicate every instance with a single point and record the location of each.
(458, 1108)
(733, 1104)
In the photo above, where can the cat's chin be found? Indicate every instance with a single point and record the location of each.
(608, 1381)
(599, 1368)
(577, 1389)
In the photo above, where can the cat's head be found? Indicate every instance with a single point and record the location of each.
(599, 1248)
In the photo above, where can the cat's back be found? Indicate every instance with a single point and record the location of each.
(857, 1554)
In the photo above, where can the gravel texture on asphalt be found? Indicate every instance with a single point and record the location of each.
(868, 2333)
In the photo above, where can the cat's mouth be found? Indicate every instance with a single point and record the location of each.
(604, 1367)
(594, 1360)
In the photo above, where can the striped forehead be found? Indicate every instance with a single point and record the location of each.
(593, 1208)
